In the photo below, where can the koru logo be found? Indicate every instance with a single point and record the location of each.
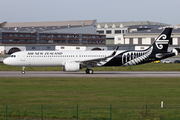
(161, 40)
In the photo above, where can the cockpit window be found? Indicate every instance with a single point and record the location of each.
(12, 55)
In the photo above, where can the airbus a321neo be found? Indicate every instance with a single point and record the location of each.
(76, 60)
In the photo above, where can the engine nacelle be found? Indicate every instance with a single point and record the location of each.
(71, 66)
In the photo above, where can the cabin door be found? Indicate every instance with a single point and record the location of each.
(23, 57)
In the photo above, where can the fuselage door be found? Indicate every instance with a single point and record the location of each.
(23, 57)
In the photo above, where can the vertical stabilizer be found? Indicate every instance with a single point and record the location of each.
(162, 41)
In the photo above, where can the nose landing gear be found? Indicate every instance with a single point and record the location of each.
(23, 70)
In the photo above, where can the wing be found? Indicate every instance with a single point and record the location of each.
(98, 61)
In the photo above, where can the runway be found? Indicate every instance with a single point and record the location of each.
(96, 74)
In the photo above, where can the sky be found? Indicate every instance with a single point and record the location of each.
(164, 11)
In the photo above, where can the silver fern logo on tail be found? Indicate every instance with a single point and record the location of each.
(135, 57)
(160, 41)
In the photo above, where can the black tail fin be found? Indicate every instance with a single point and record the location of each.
(157, 51)
(162, 41)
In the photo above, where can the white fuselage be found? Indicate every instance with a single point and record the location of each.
(53, 58)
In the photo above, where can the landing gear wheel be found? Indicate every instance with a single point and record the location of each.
(23, 70)
(89, 71)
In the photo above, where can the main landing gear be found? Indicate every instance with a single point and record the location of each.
(89, 71)
(23, 70)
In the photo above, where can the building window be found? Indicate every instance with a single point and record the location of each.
(49, 36)
(48, 47)
(93, 41)
(27, 35)
(74, 36)
(71, 41)
(140, 41)
(10, 35)
(28, 41)
(56, 41)
(33, 41)
(131, 41)
(69, 36)
(4, 40)
(77, 48)
(178, 41)
(54, 36)
(43, 36)
(108, 31)
(100, 31)
(117, 31)
(43, 41)
(33, 48)
(64, 41)
(16, 40)
(84, 41)
(22, 40)
(62, 47)
(16, 35)
(59, 36)
(21, 35)
(5, 35)
(33, 35)
(94, 37)
(11, 40)
(98, 37)
(64, 36)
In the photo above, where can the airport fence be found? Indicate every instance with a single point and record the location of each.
(85, 112)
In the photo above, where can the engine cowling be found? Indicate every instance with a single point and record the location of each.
(71, 66)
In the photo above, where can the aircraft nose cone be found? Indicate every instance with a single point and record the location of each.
(6, 61)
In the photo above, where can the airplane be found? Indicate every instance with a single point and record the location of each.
(75, 60)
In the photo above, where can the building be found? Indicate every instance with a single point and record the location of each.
(60, 35)
(81, 35)
(136, 35)
(114, 29)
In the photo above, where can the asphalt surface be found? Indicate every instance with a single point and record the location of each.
(96, 74)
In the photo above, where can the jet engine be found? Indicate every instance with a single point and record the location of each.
(71, 66)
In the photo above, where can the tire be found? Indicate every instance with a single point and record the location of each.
(23, 72)
(87, 71)
(90, 71)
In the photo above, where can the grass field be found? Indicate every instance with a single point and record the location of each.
(60, 97)
(144, 67)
